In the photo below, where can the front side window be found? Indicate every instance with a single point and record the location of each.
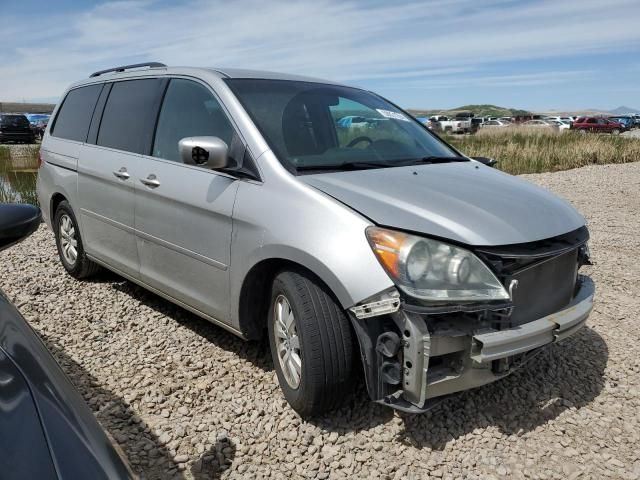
(127, 121)
(319, 126)
(188, 110)
(74, 116)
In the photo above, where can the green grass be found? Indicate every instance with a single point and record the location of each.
(520, 150)
(16, 184)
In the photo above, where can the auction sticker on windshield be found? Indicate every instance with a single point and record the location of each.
(390, 114)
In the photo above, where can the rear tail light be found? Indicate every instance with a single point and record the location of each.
(40, 161)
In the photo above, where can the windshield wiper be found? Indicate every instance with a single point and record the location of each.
(383, 164)
(348, 166)
(433, 159)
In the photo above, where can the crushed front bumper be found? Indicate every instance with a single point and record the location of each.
(432, 356)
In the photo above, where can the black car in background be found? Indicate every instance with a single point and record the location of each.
(15, 128)
(47, 431)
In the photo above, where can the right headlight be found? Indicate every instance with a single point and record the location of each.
(434, 271)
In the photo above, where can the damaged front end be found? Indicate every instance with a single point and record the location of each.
(417, 352)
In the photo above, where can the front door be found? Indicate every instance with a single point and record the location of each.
(183, 212)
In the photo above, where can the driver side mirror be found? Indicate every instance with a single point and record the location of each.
(210, 152)
(489, 162)
(17, 222)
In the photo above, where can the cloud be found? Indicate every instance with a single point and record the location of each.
(501, 81)
(358, 42)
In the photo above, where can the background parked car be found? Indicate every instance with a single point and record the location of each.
(597, 125)
(38, 122)
(628, 121)
(48, 431)
(539, 124)
(36, 117)
(560, 125)
(456, 125)
(15, 128)
(39, 127)
(496, 124)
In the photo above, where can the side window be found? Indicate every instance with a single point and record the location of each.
(591, 120)
(73, 119)
(188, 110)
(127, 121)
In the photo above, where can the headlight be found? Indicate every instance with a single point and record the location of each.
(434, 271)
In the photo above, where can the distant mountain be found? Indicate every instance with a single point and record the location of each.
(479, 111)
(624, 110)
(485, 110)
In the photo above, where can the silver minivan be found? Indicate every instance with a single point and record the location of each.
(319, 216)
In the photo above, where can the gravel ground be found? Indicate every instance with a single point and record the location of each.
(185, 399)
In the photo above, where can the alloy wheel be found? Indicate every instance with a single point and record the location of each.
(287, 341)
(68, 239)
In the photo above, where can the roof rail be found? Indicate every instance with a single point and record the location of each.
(127, 67)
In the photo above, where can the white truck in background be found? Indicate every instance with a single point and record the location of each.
(459, 124)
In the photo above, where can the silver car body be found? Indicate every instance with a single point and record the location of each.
(198, 236)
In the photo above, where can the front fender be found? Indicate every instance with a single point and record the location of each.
(297, 223)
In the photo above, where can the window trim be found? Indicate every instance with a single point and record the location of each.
(96, 118)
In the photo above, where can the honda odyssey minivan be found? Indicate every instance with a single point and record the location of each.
(370, 248)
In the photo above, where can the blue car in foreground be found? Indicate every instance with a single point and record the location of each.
(47, 431)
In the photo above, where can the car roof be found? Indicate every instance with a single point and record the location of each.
(220, 72)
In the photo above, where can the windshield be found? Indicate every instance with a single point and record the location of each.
(320, 126)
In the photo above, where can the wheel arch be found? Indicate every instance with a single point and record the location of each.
(56, 199)
(255, 292)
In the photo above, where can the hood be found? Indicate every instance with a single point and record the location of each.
(464, 201)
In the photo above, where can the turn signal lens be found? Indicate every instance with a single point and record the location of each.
(386, 244)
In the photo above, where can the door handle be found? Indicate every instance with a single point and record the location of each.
(151, 181)
(122, 174)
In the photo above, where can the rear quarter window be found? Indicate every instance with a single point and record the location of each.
(73, 119)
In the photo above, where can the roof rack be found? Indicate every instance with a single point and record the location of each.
(127, 67)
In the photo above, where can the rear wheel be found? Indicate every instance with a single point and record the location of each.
(69, 243)
(311, 344)
(582, 131)
(615, 131)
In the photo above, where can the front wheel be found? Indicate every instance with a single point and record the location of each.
(311, 344)
(615, 131)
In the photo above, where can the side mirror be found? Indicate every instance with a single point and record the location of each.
(17, 222)
(489, 162)
(210, 152)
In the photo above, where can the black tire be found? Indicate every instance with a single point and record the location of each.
(82, 267)
(326, 344)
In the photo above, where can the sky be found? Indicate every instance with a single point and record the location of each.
(538, 55)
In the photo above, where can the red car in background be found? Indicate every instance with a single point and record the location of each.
(597, 125)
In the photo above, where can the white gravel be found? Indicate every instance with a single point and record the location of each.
(186, 399)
